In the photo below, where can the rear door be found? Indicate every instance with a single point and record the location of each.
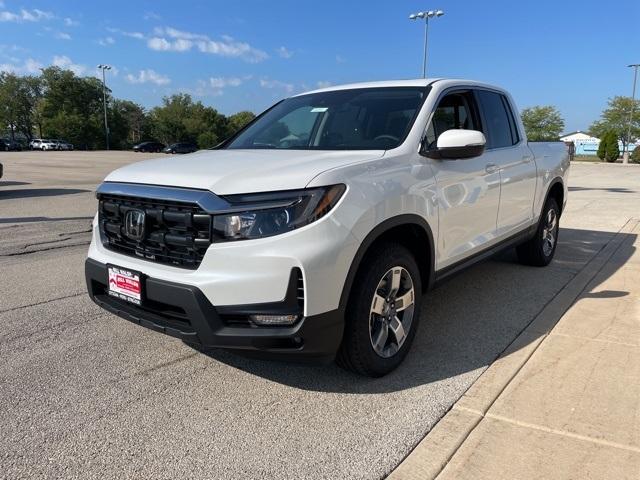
(507, 152)
(468, 192)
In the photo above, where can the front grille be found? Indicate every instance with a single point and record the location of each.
(176, 233)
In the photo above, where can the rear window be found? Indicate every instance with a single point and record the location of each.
(500, 128)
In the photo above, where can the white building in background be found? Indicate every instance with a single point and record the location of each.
(585, 144)
(579, 136)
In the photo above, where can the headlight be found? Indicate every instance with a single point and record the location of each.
(266, 214)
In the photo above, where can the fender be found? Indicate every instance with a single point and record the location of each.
(378, 232)
(553, 183)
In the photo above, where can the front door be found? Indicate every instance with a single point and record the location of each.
(468, 190)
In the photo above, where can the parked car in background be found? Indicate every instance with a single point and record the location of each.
(316, 230)
(35, 144)
(43, 144)
(7, 145)
(181, 148)
(149, 147)
(62, 145)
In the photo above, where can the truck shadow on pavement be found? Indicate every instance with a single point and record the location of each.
(466, 323)
(39, 192)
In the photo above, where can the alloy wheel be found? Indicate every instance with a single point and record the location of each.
(392, 312)
(549, 232)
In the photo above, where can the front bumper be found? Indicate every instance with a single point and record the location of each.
(184, 312)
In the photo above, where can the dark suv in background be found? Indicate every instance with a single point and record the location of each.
(9, 146)
(181, 148)
(156, 147)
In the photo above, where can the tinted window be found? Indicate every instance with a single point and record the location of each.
(455, 110)
(496, 118)
(357, 119)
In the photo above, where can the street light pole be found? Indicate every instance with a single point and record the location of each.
(426, 16)
(625, 155)
(104, 102)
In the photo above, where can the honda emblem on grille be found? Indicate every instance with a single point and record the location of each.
(134, 225)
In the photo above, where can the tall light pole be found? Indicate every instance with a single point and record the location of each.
(426, 16)
(625, 155)
(104, 102)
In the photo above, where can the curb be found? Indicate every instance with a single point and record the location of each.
(436, 449)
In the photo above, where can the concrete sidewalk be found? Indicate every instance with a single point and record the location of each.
(563, 401)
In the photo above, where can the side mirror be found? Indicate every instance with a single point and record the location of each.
(458, 144)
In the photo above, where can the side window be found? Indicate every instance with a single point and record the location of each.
(500, 127)
(455, 110)
(515, 138)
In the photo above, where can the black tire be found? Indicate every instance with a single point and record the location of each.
(537, 252)
(357, 352)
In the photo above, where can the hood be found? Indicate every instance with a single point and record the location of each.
(226, 172)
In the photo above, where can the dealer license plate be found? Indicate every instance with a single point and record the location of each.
(125, 284)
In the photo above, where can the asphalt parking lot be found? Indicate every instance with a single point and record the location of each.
(86, 394)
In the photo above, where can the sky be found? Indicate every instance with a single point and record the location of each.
(247, 54)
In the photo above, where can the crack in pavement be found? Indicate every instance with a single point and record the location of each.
(74, 244)
(42, 303)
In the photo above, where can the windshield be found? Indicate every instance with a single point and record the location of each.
(358, 119)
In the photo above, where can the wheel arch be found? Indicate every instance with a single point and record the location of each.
(409, 230)
(556, 191)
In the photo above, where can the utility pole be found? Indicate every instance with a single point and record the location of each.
(625, 155)
(104, 102)
(426, 16)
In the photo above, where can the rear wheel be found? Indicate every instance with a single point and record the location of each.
(383, 312)
(540, 249)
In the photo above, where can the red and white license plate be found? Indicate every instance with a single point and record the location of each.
(125, 285)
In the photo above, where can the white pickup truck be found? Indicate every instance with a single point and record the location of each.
(315, 231)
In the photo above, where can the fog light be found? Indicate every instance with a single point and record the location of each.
(273, 319)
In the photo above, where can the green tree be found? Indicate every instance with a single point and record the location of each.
(608, 149)
(128, 124)
(19, 97)
(635, 155)
(542, 123)
(616, 118)
(180, 119)
(237, 121)
(72, 108)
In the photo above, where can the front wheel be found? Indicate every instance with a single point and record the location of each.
(383, 312)
(539, 250)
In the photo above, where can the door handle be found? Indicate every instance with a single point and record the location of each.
(527, 158)
(491, 168)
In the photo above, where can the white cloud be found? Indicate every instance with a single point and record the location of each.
(66, 63)
(148, 76)
(159, 44)
(62, 36)
(106, 41)
(163, 45)
(169, 39)
(222, 82)
(151, 16)
(137, 35)
(24, 15)
(287, 87)
(175, 33)
(69, 22)
(27, 67)
(284, 52)
(323, 84)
